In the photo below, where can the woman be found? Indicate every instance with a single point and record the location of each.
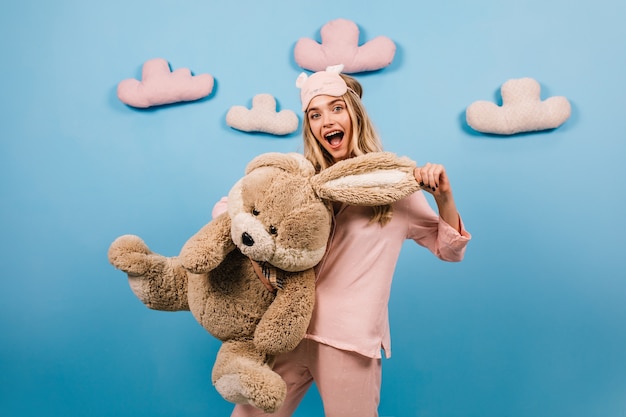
(341, 351)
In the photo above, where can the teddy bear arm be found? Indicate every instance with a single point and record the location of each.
(208, 248)
(158, 281)
(163, 287)
(285, 322)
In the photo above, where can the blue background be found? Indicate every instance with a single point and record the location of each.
(531, 323)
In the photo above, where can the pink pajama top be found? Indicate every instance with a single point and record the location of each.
(354, 277)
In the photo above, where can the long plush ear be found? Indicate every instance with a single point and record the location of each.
(373, 179)
(290, 162)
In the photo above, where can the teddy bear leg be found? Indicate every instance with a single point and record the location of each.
(243, 375)
(158, 281)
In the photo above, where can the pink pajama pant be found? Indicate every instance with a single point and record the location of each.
(348, 383)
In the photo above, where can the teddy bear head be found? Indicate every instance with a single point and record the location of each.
(276, 215)
(281, 209)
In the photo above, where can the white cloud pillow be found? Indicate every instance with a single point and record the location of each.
(262, 117)
(522, 110)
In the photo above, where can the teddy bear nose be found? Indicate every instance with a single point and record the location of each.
(247, 239)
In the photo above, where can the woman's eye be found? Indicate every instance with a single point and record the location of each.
(255, 212)
(273, 230)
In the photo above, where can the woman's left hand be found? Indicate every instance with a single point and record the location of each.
(433, 179)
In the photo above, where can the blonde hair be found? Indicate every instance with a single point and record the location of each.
(364, 140)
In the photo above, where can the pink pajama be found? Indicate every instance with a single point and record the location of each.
(349, 383)
(350, 322)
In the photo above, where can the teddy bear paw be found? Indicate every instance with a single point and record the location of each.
(130, 254)
(230, 388)
(267, 395)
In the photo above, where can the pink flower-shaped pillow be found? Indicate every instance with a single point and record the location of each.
(340, 45)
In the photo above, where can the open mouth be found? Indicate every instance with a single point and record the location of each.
(334, 138)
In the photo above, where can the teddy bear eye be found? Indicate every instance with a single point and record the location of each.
(255, 212)
(273, 230)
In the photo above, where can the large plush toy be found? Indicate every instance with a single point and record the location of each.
(247, 276)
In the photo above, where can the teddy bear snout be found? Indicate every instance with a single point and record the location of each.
(247, 239)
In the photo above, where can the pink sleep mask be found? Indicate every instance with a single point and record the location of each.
(327, 83)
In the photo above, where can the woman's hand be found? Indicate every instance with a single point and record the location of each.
(434, 180)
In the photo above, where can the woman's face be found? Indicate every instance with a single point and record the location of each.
(331, 125)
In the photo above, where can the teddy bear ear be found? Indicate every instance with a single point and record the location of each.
(373, 179)
(290, 162)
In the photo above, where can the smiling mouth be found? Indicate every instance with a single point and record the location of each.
(334, 138)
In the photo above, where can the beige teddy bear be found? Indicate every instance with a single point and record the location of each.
(247, 276)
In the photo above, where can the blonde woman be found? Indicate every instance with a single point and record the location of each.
(349, 330)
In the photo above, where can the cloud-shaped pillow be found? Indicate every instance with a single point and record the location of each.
(262, 117)
(340, 45)
(159, 86)
(522, 110)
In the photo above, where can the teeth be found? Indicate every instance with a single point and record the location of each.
(336, 132)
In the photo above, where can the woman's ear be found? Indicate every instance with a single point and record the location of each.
(373, 179)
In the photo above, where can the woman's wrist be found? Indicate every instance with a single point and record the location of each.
(447, 210)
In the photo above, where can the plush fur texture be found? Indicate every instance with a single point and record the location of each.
(340, 45)
(522, 110)
(279, 216)
(391, 179)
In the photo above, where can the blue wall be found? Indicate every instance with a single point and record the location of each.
(532, 323)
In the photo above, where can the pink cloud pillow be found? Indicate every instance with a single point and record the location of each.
(160, 86)
(340, 45)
